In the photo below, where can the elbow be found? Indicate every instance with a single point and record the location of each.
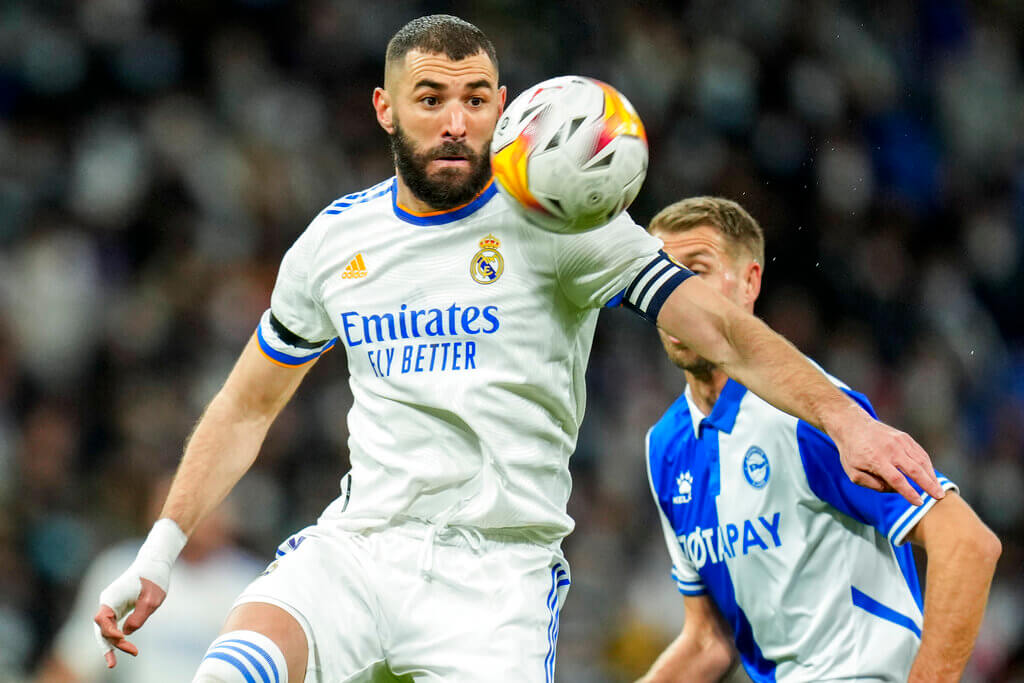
(988, 546)
(719, 658)
(728, 659)
(979, 546)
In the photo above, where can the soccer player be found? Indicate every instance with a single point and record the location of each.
(778, 556)
(467, 333)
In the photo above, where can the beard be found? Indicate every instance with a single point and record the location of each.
(449, 187)
(701, 368)
(683, 358)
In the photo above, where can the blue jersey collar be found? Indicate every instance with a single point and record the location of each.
(442, 217)
(727, 407)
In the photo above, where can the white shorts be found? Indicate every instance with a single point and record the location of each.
(478, 609)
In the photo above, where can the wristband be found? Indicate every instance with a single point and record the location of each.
(164, 542)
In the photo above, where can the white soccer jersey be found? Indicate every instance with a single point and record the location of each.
(809, 570)
(467, 334)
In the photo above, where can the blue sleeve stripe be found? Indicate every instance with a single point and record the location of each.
(902, 526)
(685, 583)
(693, 591)
(286, 359)
(872, 606)
(234, 662)
(341, 205)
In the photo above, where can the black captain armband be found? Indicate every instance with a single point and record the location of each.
(652, 286)
(283, 347)
(289, 337)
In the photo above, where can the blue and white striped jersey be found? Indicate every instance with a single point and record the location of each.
(809, 569)
(467, 334)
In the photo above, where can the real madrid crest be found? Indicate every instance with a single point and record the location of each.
(487, 265)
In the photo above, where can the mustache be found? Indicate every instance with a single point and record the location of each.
(451, 149)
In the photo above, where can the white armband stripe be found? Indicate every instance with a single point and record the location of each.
(652, 287)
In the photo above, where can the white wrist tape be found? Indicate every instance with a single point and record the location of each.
(162, 546)
(157, 554)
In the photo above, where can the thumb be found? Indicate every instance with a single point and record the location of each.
(151, 597)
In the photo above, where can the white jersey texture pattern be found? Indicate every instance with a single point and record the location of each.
(467, 334)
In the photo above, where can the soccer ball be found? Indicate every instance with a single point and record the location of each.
(571, 154)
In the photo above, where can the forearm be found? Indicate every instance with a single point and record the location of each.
(223, 446)
(228, 437)
(702, 652)
(958, 578)
(751, 353)
(686, 660)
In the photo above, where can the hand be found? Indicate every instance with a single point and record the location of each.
(138, 591)
(876, 456)
(145, 601)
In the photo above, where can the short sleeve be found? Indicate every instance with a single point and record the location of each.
(595, 266)
(687, 579)
(889, 513)
(296, 328)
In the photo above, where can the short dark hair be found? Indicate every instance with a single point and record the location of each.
(724, 215)
(440, 34)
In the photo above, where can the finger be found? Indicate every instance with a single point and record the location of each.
(150, 597)
(110, 634)
(125, 646)
(924, 475)
(868, 480)
(915, 472)
(898, 481)
(111, 659)
(107, 622)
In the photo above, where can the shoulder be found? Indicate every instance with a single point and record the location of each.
(857, 396)
(674, 421)
(377, 194)
(350, 210)
(355, 207)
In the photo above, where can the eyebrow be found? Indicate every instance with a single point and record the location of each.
(426, 83)
(697, 256)
(434, 85)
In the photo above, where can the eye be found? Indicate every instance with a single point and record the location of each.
(476, 101)
(430, 100)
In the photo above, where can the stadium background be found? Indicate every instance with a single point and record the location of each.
(157, 158)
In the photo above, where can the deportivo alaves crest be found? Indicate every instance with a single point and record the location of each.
(487, 265)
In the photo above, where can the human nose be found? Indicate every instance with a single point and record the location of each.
(456, 125)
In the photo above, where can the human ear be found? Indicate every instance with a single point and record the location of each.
(382, 106)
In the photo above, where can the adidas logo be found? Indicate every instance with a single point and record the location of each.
(355, 269)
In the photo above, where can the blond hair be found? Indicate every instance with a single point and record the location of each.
(724, 215)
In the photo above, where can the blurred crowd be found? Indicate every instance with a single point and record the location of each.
(158, 157)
